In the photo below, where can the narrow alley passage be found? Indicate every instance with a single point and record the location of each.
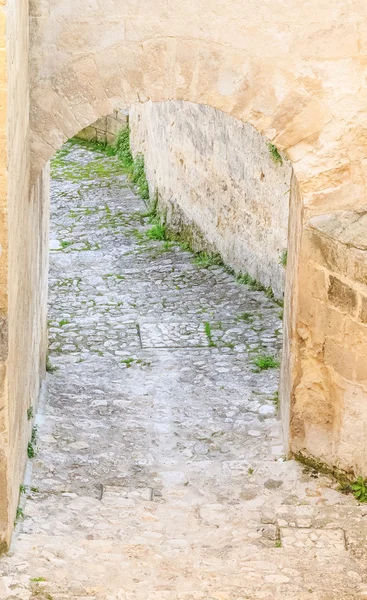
(160, 472)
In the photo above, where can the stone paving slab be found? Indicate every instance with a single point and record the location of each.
(160, 471)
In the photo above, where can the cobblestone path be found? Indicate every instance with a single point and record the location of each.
(160, 472)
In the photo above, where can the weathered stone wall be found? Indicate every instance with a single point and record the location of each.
(105, 128)
(23, 258)
(215, 175)
(4, 419)
(329, 416)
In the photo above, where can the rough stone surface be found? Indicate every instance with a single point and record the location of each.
(160, 471)
(216, 175)
(295, 71)
(105, 128)
(329, 413)
(23, 261)
(296, 74)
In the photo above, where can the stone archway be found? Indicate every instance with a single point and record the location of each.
(281, 69)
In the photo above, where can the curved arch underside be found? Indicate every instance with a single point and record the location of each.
(276, 65)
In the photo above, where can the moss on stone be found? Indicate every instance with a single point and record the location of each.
(345, 479)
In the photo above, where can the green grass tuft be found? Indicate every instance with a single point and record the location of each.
(264, 362)
(157, 232)
(19, 514)
(283, 258)
(134, 167)
(205, 260)
(359, 489)
(34, 434)
(50, 368)
(255, 285)
(122, 147)
(128, 362)
(246, 317)
(275, 156)
(139, 178)
(208, 332)
(31, 451)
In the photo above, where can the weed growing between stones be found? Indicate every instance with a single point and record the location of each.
(128, 362)
(131, 360)
(31, 451)
(31, 448)
(19, 515)
(205, 260)
(168, 244)
(134, 167)
(276, 400)
(209, 335)
(122, 146)
(283, 258)
(246, 317)
(64, 322)
(275, 156)
(157, 232)
(50, 368)
(345, 483)
(359, 489)
(30, 413)
(38, 591)
(139, 178)
(34, 434)
(65, 244)
(254, 284)
(265, 361)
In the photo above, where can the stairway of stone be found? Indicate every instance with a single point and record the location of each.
(160, 472)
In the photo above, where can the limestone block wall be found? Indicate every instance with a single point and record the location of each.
(329, 416)
(4, 419)
(217, 181)
(105, 128)
(23, 264)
